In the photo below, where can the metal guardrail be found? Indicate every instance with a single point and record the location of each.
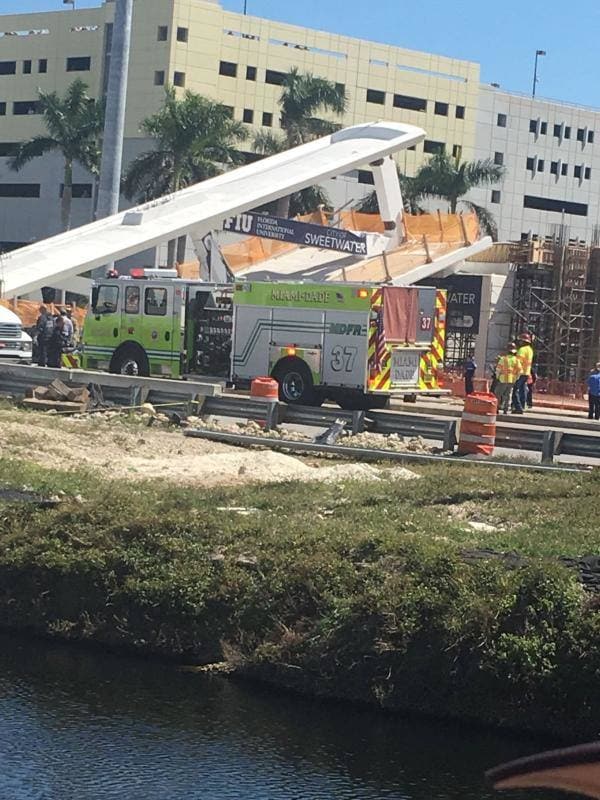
(16, 380)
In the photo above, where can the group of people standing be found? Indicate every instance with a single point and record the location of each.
(514, 376)
(54, 335)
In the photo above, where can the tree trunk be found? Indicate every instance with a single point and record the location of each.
(453, 203)
(283, 207)
(67, 196)
(171, 252)
(181, 245)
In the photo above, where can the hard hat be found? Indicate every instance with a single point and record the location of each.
(525, 337)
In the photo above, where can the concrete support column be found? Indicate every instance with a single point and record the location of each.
(389, 197)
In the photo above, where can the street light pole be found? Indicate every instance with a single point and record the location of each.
(535, 77)
(114, 124)
(245, 6)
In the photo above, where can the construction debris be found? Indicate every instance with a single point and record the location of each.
(57, 396)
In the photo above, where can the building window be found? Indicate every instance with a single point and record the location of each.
(182, 34)
(274, 77)
(554, 167)
(248, 116)
(8, 149)
(2, 109)
(460, 112)
(560, 206)
(375, 96)
(495, 195)
(19, 189)
(159, 77)
(499, 159)
(590, 137)
(27, 67)
(8, 67)
(587, 174)
(230, 110)
(179, 79)
(23, 107)
(228, 68)
(544, 128)
(530, 165)
(501, 121)
(540, 165)
(533, 126)
(366, 176)
(79, 64)
(564, 169)
(267, 119)
(577, 171)
(580, 135)
(79, 190)
(556, 131)
(456, 151)
(568, 132)
(441, 109)
(250, 73)
(410, 103)
(433, 147)
(43, 65)
(162, 33)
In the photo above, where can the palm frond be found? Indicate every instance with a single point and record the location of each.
(35, 147)
(487, 221)
(267, 143)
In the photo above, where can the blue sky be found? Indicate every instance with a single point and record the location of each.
(502, 37)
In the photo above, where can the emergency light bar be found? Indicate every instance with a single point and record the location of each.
(147, 272)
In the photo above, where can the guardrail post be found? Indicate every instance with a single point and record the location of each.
(138, 395)
(551, 446)
(358, 422)
(450, 439)
(272, 415)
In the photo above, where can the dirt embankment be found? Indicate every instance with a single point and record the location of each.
(132, 448)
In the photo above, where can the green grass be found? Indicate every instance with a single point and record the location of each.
(352, 590)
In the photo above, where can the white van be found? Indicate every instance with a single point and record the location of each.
(15, 344)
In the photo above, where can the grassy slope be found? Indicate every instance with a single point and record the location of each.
(346, 590)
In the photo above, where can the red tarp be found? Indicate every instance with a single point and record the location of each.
(400, 313)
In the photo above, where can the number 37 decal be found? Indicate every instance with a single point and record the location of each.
(343, 358)
(425, 323)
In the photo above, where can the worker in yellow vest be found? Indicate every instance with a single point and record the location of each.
(506, 373)
(525, 357)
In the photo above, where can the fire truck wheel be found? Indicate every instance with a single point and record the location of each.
(295, 383)
(130, 360)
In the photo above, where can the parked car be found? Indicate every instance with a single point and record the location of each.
(15, 344)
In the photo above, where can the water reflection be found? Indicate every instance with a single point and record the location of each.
(75, 724)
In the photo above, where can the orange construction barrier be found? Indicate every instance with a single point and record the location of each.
(478, 425)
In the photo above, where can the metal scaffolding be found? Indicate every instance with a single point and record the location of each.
(555, 298)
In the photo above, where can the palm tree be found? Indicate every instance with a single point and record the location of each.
(303, 96)
(74, 125)
(411, 197)
(451, 179)
(301, 202)
(195, 140)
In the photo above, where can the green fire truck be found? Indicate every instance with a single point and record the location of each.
(318, 340)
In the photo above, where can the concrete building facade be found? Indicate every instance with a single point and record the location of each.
(552, 174)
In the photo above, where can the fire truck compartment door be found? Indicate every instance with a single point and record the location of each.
(345, 349)
(251, 340)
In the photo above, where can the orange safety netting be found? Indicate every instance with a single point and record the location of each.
(439, 233)
(29, 310)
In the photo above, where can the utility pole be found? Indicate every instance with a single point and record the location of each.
(114, 124)
(535, 77)
(245, 6)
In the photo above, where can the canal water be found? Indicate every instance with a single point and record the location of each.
(78, 725)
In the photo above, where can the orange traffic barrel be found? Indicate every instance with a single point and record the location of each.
(478, 424)
(264, 388)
